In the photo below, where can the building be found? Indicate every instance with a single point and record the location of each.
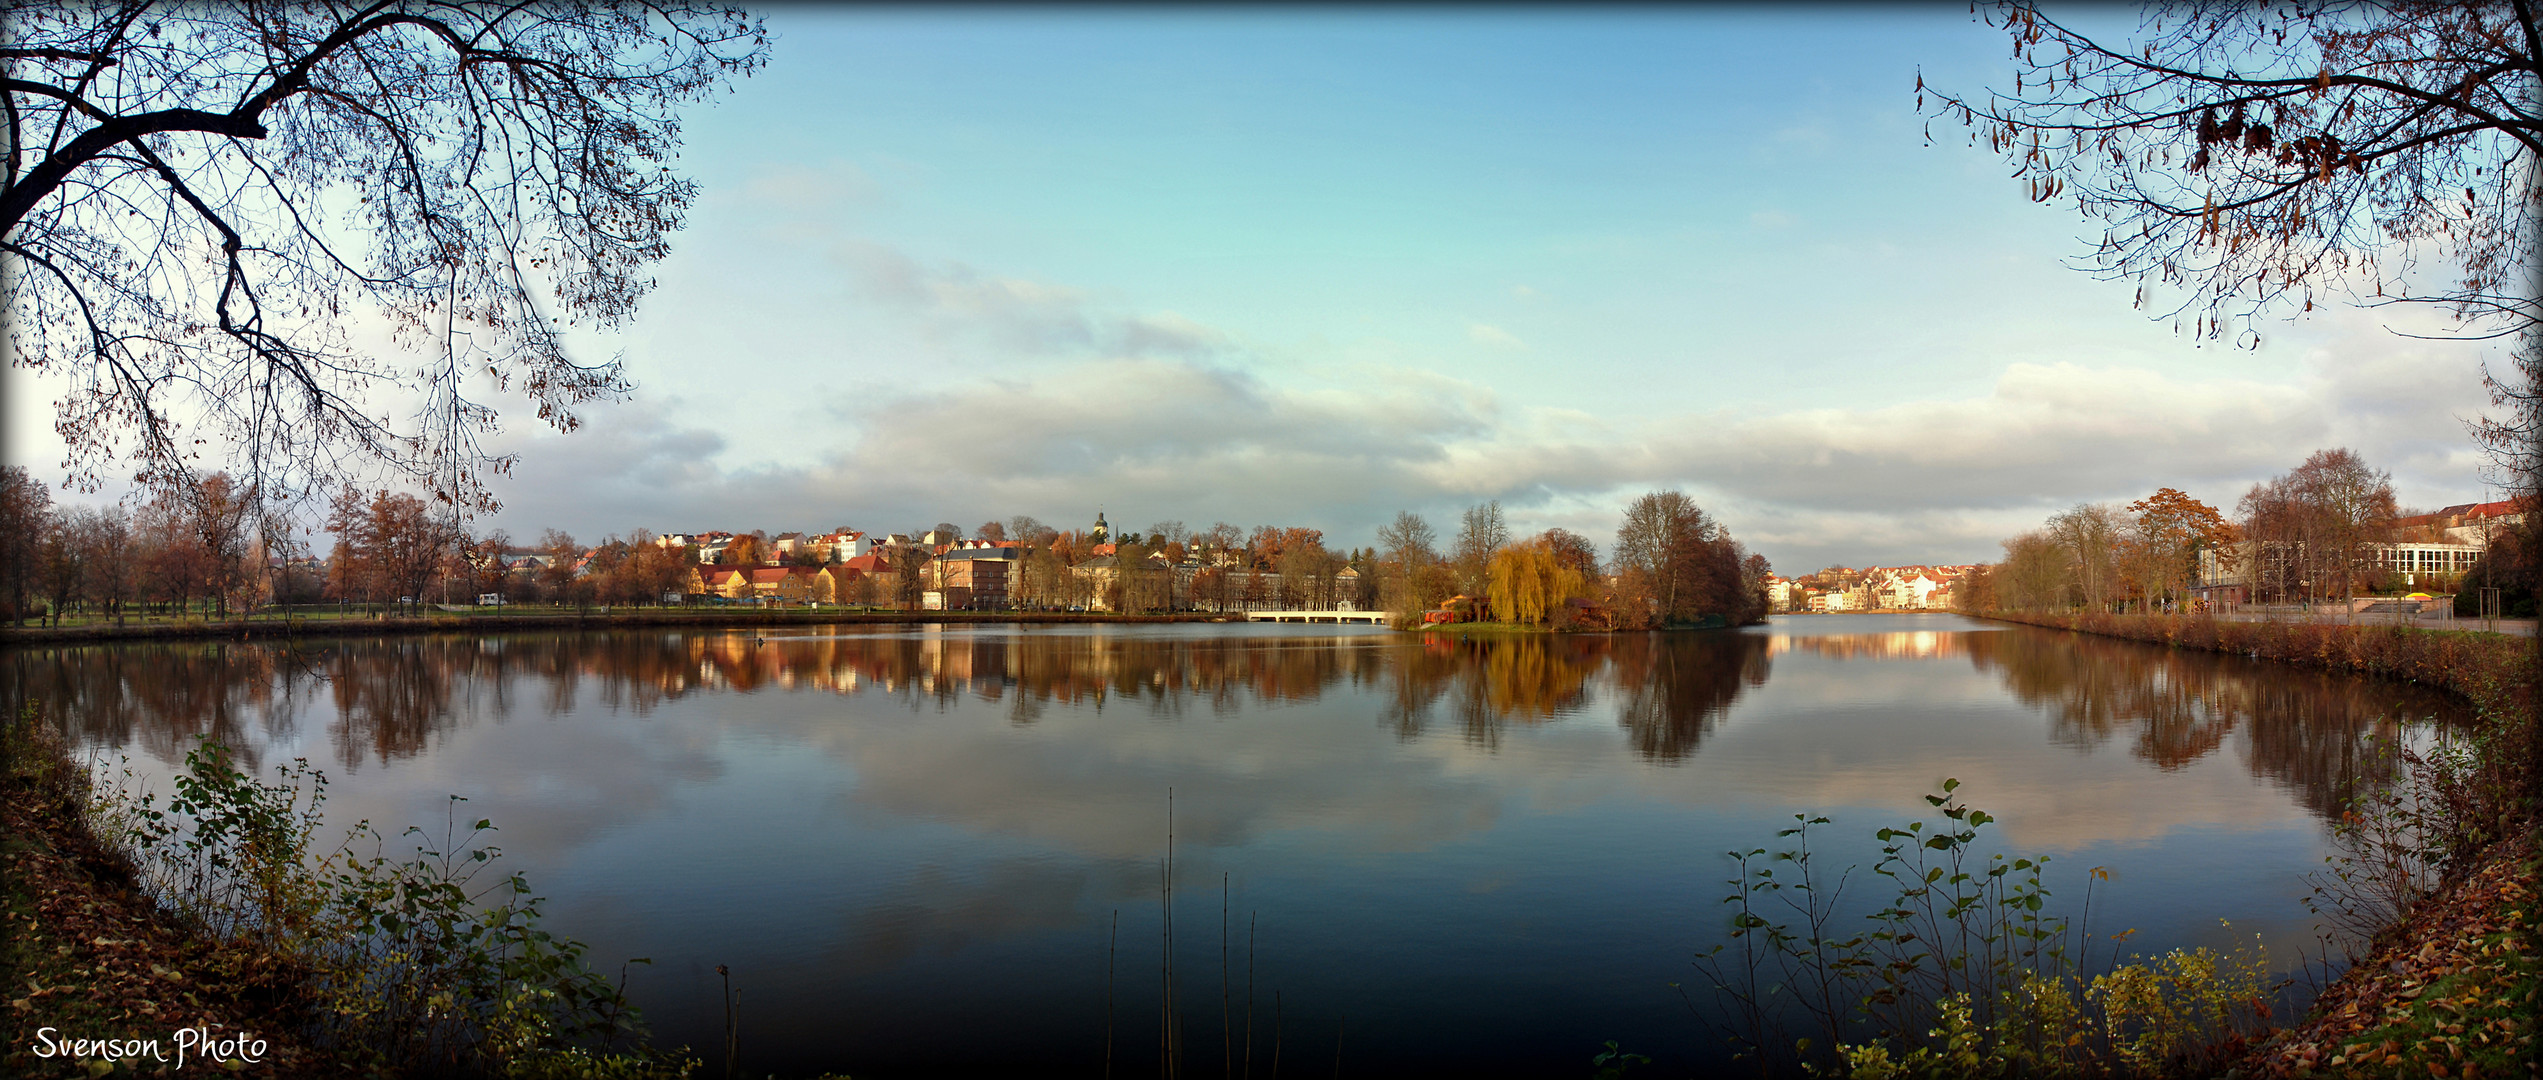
(973, 577)
(2418, 565)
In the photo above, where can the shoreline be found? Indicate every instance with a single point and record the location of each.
(2458, 960)
(2495, 672)
(284, 628)
(444, 623)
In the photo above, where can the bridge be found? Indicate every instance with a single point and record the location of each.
(1378, 617)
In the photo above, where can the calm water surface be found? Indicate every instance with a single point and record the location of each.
(911, 846)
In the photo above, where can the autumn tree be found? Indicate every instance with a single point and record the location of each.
(1572, 550)
(112, 570)
(62, 560)
(25, 503)
(205, 204)
(2356, 504)
(1977, 593)
(387, 546)
(557, 580)
(484, 559)
(1531, 583)
(1307, 571)
(2037, 574)
(2173, 529)
(2314, 529)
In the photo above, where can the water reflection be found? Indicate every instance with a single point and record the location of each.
(1490, 683)
(388, 699)
(1459, 838)
(1672, 690)
(2306, 730)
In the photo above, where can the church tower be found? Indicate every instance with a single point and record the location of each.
(1101, 533)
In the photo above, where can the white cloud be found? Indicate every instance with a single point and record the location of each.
(1931, 477)
(1159, 415)
(953, 301)
(1494, 337)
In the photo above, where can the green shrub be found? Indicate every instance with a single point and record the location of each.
(1964, 972)
(411, 961)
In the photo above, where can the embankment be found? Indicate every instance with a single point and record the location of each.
(2493, 671)
(266, 629)
(2450, 988)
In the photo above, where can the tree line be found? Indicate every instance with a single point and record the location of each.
(2311, 533)
(204, 548)
(186, 547)
(1673, 565)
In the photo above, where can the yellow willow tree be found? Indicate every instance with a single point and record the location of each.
(1529, 583)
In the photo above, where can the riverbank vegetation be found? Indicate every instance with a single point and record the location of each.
(2424, 907)
(218, 904)
(1966, 969)
(2495, 672)
(1963, 969)
(2428, 896)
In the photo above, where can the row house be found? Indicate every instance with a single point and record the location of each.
(786, 584)
(871, 566)
(1912, 587)
(842, 545)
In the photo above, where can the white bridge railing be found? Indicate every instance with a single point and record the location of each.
(1316, 616)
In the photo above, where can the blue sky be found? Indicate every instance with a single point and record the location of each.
(1314, 266)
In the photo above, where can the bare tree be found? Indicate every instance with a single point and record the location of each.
(203, 200)
(1481, 534)
(2256, 156)
(1409, 546)
(2090, 535)
(111, 571)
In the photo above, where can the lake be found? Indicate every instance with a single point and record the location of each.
(938, 850)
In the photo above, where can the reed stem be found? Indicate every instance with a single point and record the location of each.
(1227, 1027)
(1112, 953)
